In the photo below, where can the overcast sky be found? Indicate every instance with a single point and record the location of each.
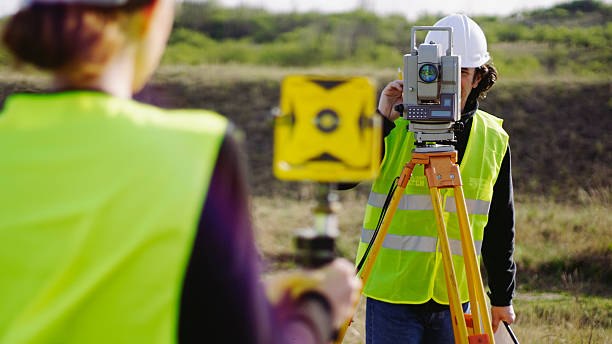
(409, 8)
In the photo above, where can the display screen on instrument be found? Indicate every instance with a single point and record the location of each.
(444, 114)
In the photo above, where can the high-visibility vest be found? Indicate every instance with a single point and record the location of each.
(100, 200)
(409, 268)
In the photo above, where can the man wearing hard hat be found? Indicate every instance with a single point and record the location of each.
(407, 299)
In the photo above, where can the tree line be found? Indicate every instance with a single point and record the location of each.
(569, 38)
(573, 38)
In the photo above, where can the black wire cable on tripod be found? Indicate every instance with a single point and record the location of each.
(511, 333)
(380, 220)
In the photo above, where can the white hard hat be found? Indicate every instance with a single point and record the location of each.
(469, 41)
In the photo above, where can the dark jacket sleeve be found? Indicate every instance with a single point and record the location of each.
(223, 299)
(221, 283)
(498, 242)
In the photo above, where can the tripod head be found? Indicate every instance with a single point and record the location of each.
(429, 135)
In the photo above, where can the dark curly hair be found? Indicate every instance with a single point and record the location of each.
(488, 76)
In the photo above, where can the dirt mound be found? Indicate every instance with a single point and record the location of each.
(559, 132)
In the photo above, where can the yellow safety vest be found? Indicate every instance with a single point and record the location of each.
(100, 200)
(408, 268)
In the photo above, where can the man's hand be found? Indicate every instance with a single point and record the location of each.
(501, 314)
(391, 96)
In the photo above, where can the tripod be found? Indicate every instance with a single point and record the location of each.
(441, 171)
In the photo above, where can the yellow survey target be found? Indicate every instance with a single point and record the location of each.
(327, 129)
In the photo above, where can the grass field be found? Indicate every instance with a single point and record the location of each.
(554, 94)
(563, 254)
(560, 153)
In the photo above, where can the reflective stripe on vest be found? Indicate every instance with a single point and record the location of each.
(100, 202)
(423, 202)
(408, 268)
(416, 243)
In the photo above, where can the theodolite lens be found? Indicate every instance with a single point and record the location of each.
(428, 73)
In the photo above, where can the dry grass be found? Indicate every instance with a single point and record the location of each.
(563, 254)
(559, 318)
(563, 248)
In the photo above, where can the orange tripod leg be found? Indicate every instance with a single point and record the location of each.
(442, 172)
(475, 285)
(458, 321)
(364, 273)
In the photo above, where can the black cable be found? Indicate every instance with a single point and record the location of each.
(380, 220)
(511, 333)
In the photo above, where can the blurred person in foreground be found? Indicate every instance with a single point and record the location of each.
(407, 299)
(126, 223)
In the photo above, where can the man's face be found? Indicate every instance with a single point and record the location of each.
(468, 82)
